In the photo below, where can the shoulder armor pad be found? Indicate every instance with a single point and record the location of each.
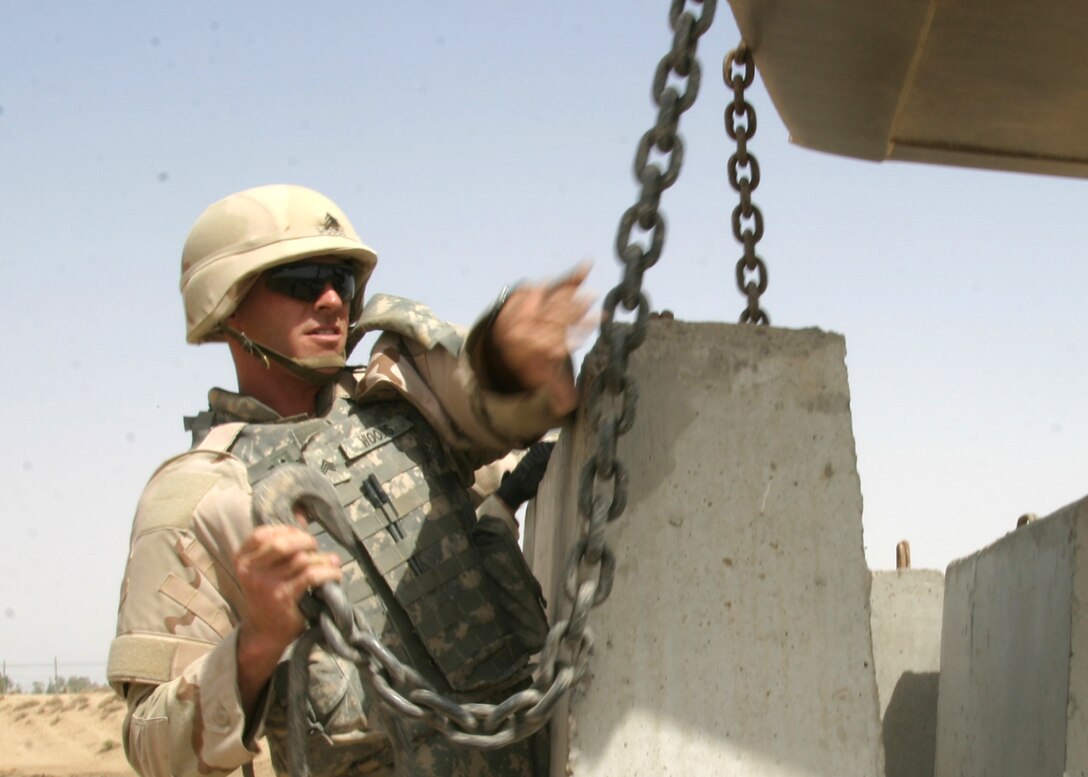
(411, 319)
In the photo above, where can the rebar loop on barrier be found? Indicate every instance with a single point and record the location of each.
(902, 555)
(738, 72)
(602, 494)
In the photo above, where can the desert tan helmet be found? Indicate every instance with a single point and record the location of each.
(241, 236)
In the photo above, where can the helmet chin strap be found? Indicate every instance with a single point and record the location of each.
(311, 368)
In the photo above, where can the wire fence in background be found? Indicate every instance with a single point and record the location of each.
(54, 676)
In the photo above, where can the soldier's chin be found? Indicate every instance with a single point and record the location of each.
(327, 363)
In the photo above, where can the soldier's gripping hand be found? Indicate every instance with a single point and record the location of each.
(536, 330)
(276, 565)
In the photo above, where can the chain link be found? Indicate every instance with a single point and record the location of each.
(602, 494)
(738, 72)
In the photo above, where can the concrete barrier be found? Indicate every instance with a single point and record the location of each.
(1014, 655)
(906, 623)
(737, 637)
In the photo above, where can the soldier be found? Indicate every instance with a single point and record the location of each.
(208, 605)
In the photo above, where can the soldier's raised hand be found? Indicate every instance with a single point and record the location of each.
(535, 332)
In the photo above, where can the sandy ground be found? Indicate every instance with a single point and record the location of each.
(67, 735)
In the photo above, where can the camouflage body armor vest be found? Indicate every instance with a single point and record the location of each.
(414, 572)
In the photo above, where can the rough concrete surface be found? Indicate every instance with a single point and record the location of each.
(906, 624)
(737, 638)
(1014, 655)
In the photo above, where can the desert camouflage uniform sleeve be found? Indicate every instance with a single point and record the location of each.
(424, 359)
(174, 657)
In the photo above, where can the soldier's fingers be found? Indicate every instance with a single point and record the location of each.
(320, 568)
(322, 571)
(303, 562)
(549, 293)
(568, 310)
(569, 282)
(271, 545)
(580, 331)
(539, 308)
(578, 309)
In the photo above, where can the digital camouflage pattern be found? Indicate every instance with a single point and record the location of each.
(520, 596)
(414, 573)
(350, 735)
(345, 733)
(401, 363)
(174, 656)
(411, 319)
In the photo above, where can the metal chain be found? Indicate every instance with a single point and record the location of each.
(602, 495)
(738, 71)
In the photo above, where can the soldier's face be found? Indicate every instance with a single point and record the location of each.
(295, 327)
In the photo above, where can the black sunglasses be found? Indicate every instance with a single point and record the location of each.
(306, 281)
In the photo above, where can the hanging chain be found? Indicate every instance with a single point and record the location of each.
(739, 71)
(671, 103)
(602, 495)
(613, 396)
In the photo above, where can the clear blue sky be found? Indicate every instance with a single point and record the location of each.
(473, 144)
